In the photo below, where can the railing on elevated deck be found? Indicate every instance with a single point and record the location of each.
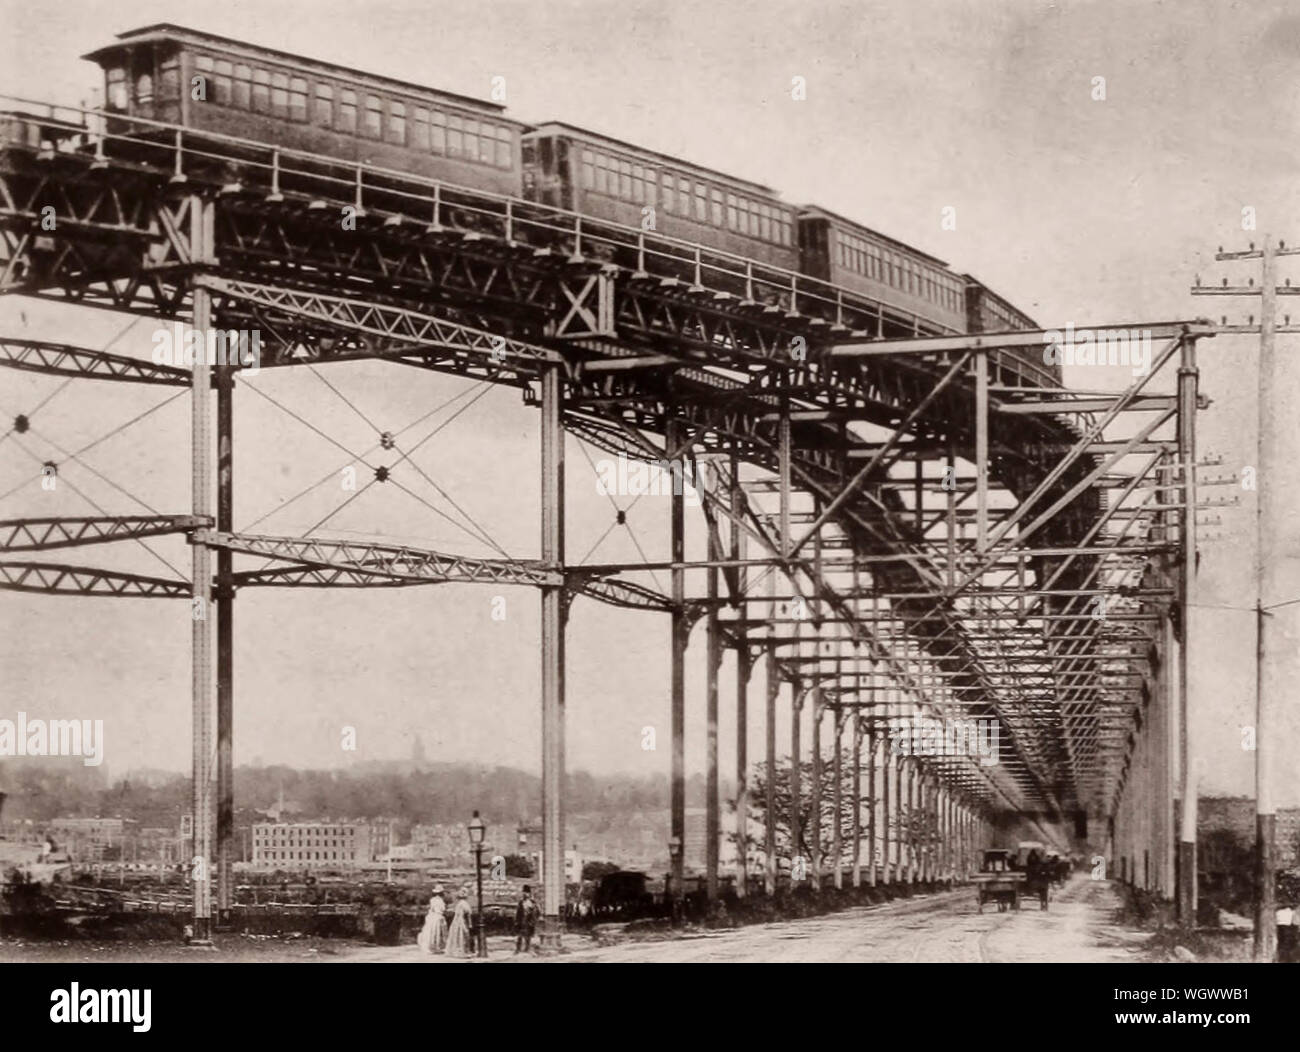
(403, 197)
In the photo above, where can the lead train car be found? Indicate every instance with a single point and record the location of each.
(269, 96)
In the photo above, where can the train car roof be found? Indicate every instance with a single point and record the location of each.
(677, 162)
(161, 31)
(818, 210)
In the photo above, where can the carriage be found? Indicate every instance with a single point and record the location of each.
(998, 881)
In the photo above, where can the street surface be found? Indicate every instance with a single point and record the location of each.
(1078, 926)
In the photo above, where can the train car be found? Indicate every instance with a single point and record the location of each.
(855, 257)
(571, 168)
(986, 311)
(269, 96)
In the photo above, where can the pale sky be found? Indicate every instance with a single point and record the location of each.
(1075, 209)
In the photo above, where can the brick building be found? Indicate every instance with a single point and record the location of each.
(318, 845)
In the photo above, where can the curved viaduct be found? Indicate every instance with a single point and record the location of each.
(955, 533)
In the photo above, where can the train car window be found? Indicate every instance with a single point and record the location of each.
(280, 94)
(419, 128)
(324, 106)
(438, 132)
(261, 91)
(374, 117)
(505, 147)
(397, 123)
(715, 211)
(638, 173)
(222, 82)
(144, 88)
(169, 78)
(701, 203)
(589, 172)
(684, 196)
(471, 139)
(243, 87)
(666, 196)
(625, 180)
(348, 112)
(648, 187)
(115, 93)
(455, 136)
(486, 144)
(732, 223)
(602, 174)
(297, 99)
(765, 232)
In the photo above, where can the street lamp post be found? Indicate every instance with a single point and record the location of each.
(477, 831)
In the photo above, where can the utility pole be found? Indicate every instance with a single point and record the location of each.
(1266, 556)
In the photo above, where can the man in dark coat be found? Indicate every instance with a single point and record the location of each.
(525, 920)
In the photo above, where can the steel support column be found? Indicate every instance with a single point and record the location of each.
(712, 818)
(744, 668)
(837, 798)
(981, 451)
(201, 634)
(225, 605)
(815, 803)
(796, 787)
(874, 795)
(553, 619)
(773, 686)
(680, 630)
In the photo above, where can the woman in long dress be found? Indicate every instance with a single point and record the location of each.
(433, 936)
(458, 935)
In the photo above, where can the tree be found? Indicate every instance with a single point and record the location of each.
(518, 866)
(783, 797)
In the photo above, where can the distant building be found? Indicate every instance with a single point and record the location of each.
(1236, 814)
(326, 844)
(89, 839)
(444, 843)
(530, 846)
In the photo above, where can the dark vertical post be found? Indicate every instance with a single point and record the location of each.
(796, 794)
(553, 617)
(815, 804)
(837, 798)
(713, 646)
(1265, 566)
(773, 686)
(680, 630)
(1187, 377)
(855, 716)
(225, 643)
(981, 451)
(744, 668)
(872, 791)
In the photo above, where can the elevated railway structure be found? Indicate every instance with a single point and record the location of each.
(903, 520)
